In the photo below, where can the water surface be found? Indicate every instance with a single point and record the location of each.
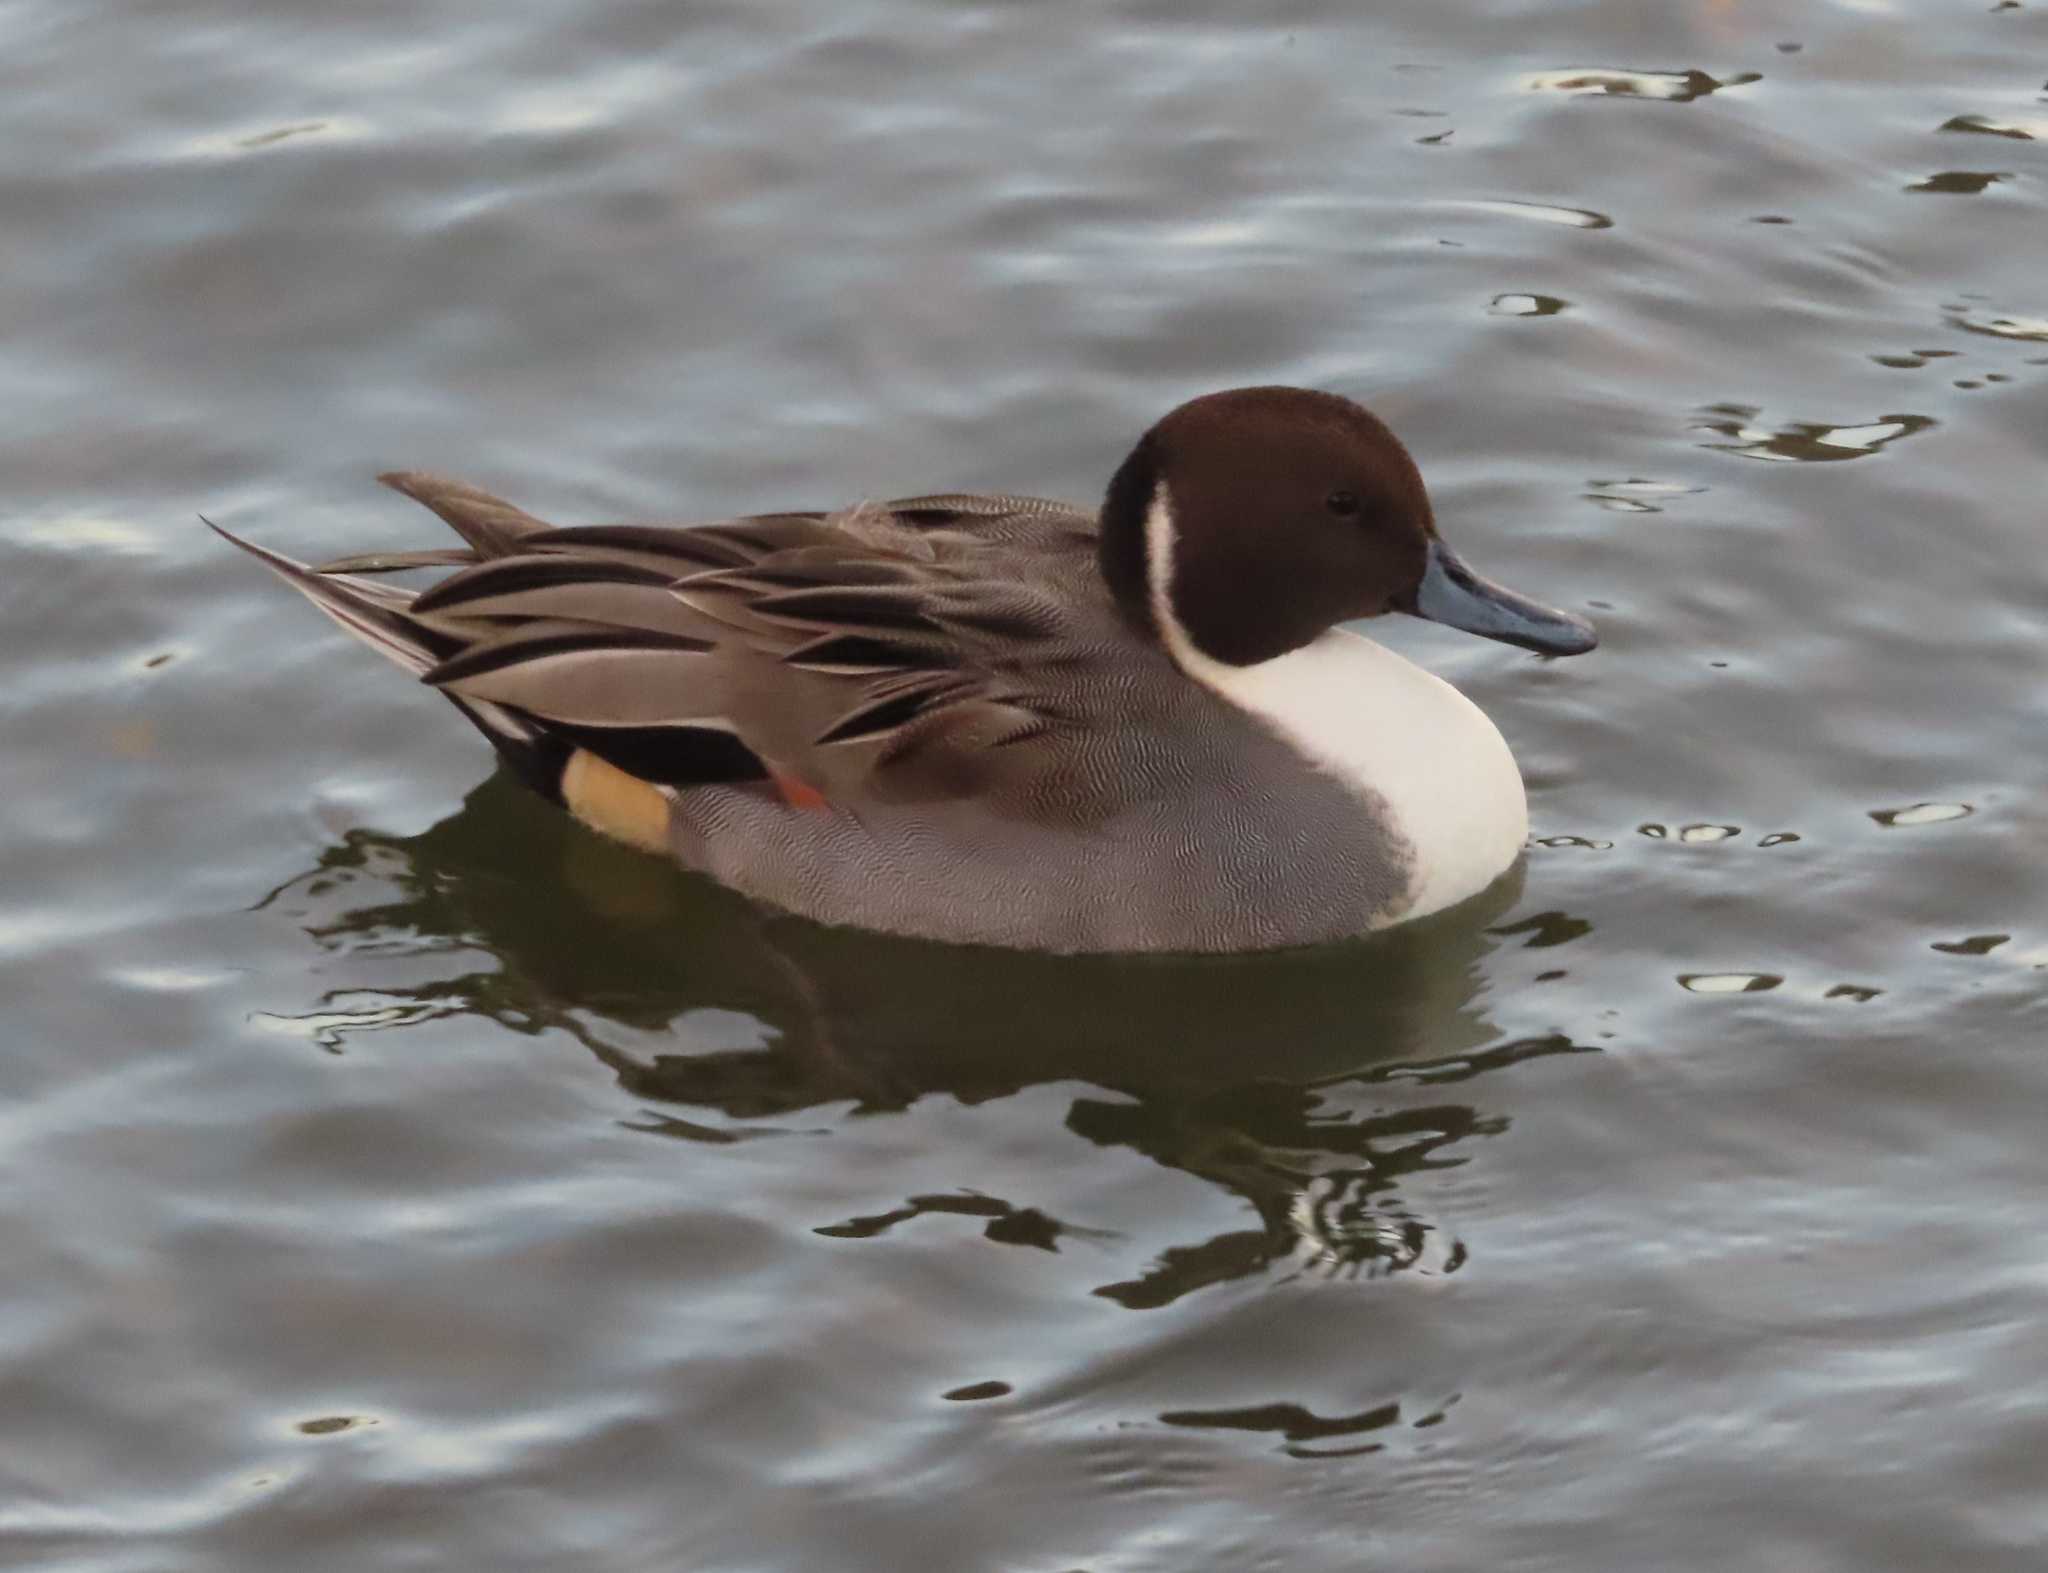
(396, 1176)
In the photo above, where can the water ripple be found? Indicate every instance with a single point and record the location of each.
(1998, 327)
(767, 1246)
(1676, 87)
(1539, 212)
(1805, 442)
(1920, 814)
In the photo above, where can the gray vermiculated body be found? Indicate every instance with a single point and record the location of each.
(1159, 818)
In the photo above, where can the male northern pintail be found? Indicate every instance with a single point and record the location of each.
(1003, 720)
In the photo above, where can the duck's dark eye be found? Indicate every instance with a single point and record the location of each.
(1343, 504)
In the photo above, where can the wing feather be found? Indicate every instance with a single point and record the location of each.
(897, 651)
(586, 674)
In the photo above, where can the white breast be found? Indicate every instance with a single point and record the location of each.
(1377, 722)
(1383, 725)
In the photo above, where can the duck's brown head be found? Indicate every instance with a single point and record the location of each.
(1251, 521)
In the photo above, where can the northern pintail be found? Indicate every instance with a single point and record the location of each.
(1004, 720)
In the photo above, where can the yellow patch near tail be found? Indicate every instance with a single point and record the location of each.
(614, 803)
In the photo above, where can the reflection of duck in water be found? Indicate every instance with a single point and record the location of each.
(1001, 720)
(1242, 1070)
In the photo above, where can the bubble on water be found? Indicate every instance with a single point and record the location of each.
(1671, 87)
(1728, 982)
(1804, 441)
(1699, 833)
(1632, 495)
(1921, 814)
(1588, 842)
(1997, 327)
(1859, 992)
(1541, 212)
(1635, 485)
(1526, 306)
(1779, 838)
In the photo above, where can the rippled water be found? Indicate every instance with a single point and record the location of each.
(395, 1176)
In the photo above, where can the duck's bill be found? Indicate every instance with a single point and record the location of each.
(1452, 594)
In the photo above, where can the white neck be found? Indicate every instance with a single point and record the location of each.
(1405, 740)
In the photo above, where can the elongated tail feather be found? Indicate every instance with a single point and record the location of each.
(380, 616)
(374, 613)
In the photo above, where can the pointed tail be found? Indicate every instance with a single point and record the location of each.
(381, 617)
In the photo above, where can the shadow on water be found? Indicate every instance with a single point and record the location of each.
(1271, 1076)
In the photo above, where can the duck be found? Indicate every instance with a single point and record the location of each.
(1003, 720)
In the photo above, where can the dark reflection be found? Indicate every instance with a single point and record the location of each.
(1266, 1075)
(1294, 1424)
(1297, 1425)
(1546, 929)
(268, 138)
(1991, 126)
(976, 1391)
(1972, 945)
(1317, 1176)
(1960, 182)
(332, 1425)
(1007, 1225)
(1913, 359)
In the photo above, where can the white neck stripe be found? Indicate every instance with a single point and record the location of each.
(1160, 539)
(1162, 536)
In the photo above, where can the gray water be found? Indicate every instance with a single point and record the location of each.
(395, 1176)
